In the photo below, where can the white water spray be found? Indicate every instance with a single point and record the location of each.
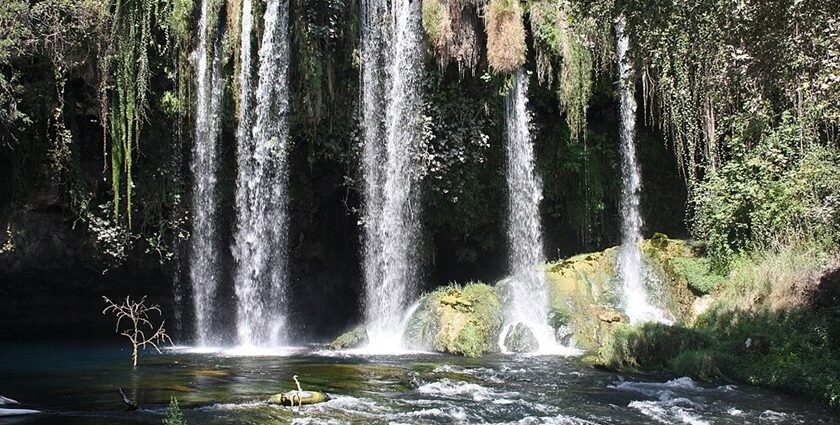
(631, 266)
(391, 70)
(527, 285)
(261, 238)
(204, 274)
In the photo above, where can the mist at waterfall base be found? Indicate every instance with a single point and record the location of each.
(219, 388)
(631, 268)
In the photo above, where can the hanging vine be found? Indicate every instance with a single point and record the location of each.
(556, 38)
(125, 83)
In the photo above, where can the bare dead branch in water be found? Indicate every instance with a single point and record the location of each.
(137, 313)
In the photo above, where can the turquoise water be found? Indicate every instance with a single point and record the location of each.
(78, 384)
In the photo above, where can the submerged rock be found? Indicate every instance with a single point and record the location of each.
(353, 338)
(520, 339)
(457, 320)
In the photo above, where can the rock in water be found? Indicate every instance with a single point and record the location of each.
(457, 320)
(295, 398)
(520, 339)
(354, 338)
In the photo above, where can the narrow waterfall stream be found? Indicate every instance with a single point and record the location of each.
(631, 266)
(528, 288)
(203, 256)
(261, 238)
(391, 51)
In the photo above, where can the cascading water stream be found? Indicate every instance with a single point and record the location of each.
(391, 42)
(527, 285)
(203, 257)
(261, 238)
(637, 305)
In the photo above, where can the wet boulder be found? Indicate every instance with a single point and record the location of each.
(457, 320)
(354, 338)
(520, 339)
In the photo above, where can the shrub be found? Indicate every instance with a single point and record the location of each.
(769, 193)
(174, 416)
(698, 274)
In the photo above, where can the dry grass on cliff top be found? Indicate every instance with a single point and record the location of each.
(505, 35)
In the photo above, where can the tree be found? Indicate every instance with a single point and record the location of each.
(137, 313)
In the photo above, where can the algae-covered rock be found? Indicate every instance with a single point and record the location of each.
(457, 320)
(586, 291)
(354, 338)
(520, 339)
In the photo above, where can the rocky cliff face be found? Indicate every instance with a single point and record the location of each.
(52, 279)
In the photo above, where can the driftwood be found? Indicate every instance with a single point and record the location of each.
(298, 397)
(132, 406)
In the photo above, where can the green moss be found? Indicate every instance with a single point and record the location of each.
(457, 320)
(353, 338)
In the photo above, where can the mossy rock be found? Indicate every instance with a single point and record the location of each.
(586, 290)
(354, 338)
(520, 339)
(457, 320)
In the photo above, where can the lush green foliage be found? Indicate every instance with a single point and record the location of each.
(775, 191)
(698, 274)
(555, 39)
(774, 323)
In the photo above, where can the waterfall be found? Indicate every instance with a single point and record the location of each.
(261, 239)
(527, 286)
(204, 274)
(630, 264)
(391, 71)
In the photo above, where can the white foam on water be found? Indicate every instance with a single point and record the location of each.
(549, 420)
(186, 349)
(17, 412)
(453, 414)
(351, 405)
(772, 416)
(735, 412)
(671, 411)
(451, 369)
(254, 351)
(233, 406)
(669, 407)
(484, 373)
(318, 421)
(5, 401)
(240, 351)
(450, 388)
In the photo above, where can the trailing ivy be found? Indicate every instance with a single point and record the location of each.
(125, 85)
(556, 37)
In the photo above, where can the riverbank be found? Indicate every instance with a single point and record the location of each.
(772, 321)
